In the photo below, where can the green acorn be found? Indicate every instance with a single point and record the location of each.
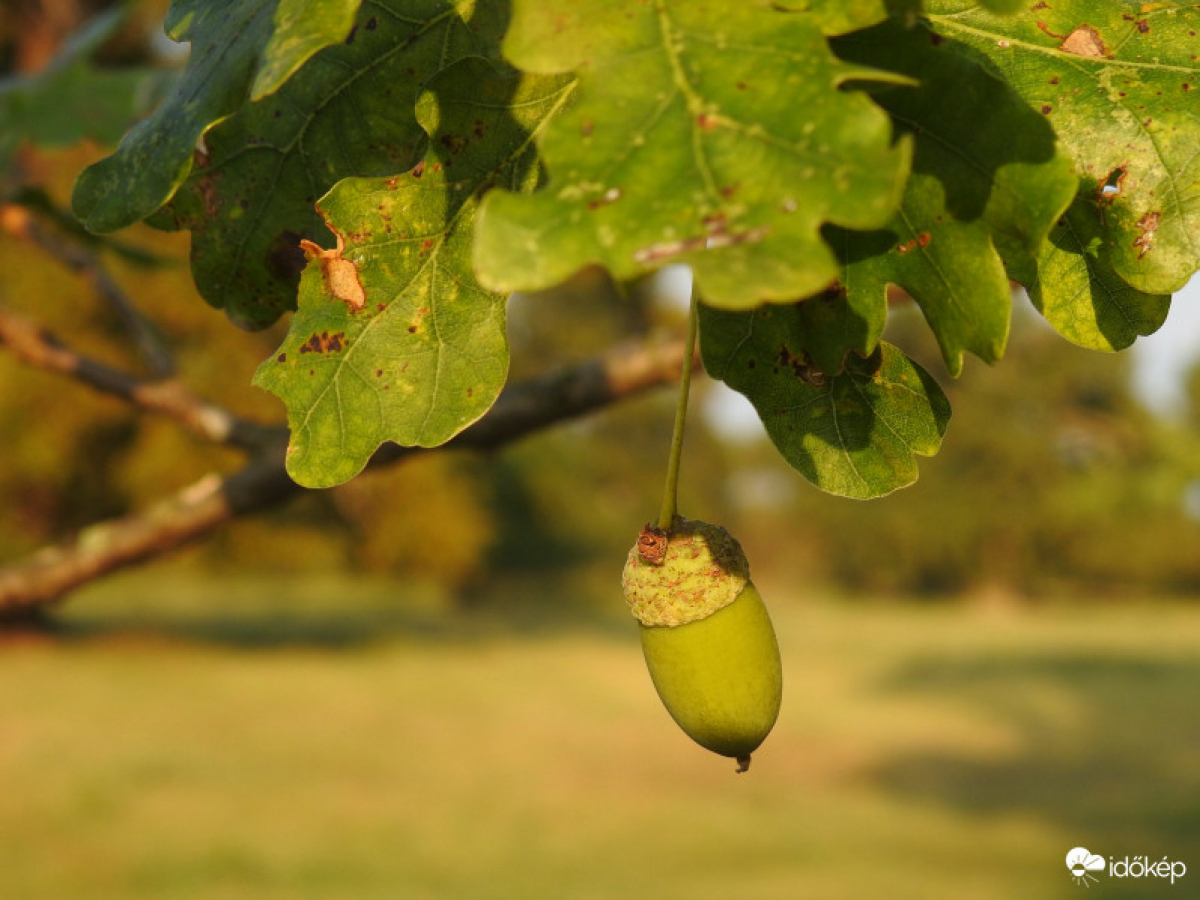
(706, 636)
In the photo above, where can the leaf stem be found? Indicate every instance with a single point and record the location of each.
(670, 495)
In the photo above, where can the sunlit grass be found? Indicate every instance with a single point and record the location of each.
(922, 753)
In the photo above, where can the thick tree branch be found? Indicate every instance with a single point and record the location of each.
(53, 571)
(523, 408)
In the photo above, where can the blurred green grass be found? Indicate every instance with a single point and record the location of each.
(275, 739)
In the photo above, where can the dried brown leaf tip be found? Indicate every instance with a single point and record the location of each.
(340, 274)
(652, 545)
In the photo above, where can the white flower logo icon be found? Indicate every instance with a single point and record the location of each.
(1082, 862)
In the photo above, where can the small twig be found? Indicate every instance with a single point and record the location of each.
(523, 408)
(21, 223)
(37, 347)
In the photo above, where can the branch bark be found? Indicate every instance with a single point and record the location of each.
(35, 346)
(522, 409)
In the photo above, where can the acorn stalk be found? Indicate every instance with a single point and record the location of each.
(706, 635)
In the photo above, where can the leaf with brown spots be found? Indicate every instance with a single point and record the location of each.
(403, 344)
(1116, 78)
(347, 111)
(1072, 282)
(233, 44)
(989, 181)
(855, 433)
(717, 134)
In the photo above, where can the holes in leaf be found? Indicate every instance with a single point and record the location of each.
(1110, 190)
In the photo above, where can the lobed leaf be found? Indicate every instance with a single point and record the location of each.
(989, 181)
(1119, 84)
(1072, 283)
(394, 339)
(241, 50)
(155, 157)
(712, 133)
(852, 434)
(349, 112)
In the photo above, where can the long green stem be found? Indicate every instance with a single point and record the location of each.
(671, 493)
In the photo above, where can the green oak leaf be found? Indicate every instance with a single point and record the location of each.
(1072, 283)
(988, 181)
(394, 339)
(302, 29)
(240, 49)
(1119, 82)
(228, 40)
(852, 434)
(724, 146)
(348, 112)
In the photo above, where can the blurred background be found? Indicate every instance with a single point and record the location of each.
(425, 683)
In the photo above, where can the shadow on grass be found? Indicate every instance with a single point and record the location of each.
(350, 630)
(337, 613)
(330, 631)
(1105, 749)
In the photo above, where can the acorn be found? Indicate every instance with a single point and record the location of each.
(708, 641)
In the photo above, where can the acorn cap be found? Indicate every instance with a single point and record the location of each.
(702, 570)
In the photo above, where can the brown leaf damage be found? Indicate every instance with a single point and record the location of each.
(340, 274)
(715, 239)
(324, 343)
(1084, 41)
(1148, 225)
(921, 240)
(801, 366)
